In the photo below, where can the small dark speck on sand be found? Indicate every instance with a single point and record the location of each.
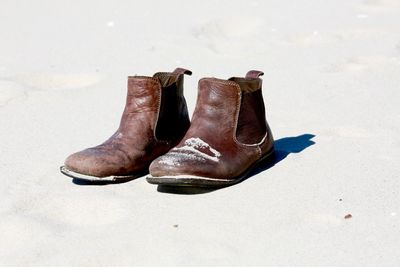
(340, 199)
(176, 225)
(348, 216)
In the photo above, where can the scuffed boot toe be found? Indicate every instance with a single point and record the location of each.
(90, 166)
(175, 169)
(80, 166)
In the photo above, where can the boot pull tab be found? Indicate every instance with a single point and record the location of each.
(254, 74)
(182, 71)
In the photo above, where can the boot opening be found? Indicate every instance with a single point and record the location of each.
(172, 120)
(247, 85)
(166, 78)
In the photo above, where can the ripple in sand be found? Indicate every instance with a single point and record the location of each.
(45, 81)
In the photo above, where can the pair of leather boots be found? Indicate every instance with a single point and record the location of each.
(227, 137)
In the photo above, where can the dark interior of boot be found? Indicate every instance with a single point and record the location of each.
(247, 84)
(166, 78)
(169, 124)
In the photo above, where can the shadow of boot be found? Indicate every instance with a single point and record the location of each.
(184, 190)
(284, 147)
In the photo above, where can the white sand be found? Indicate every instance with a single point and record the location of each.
(332, 70)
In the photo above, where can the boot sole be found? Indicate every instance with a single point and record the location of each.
(198, 181)
(94, 179)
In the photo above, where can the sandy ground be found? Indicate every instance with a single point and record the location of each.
(332, 93)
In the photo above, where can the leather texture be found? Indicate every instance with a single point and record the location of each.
(228, 132)
(154, 120)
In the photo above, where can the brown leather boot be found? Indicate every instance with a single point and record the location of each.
(228, 136)
(154, 120)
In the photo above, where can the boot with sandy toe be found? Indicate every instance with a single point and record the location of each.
(228, 136)
(154, 120)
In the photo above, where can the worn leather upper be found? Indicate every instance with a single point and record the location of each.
(144, 131)
(226, 110)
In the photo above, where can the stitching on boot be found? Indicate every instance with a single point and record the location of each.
(158, 112)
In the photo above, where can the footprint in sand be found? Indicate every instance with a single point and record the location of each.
(308, 39)
(9, 91)
(45, 81)
(219, 34)
(360, 63)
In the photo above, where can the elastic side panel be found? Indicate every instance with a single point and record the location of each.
(251, 123)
